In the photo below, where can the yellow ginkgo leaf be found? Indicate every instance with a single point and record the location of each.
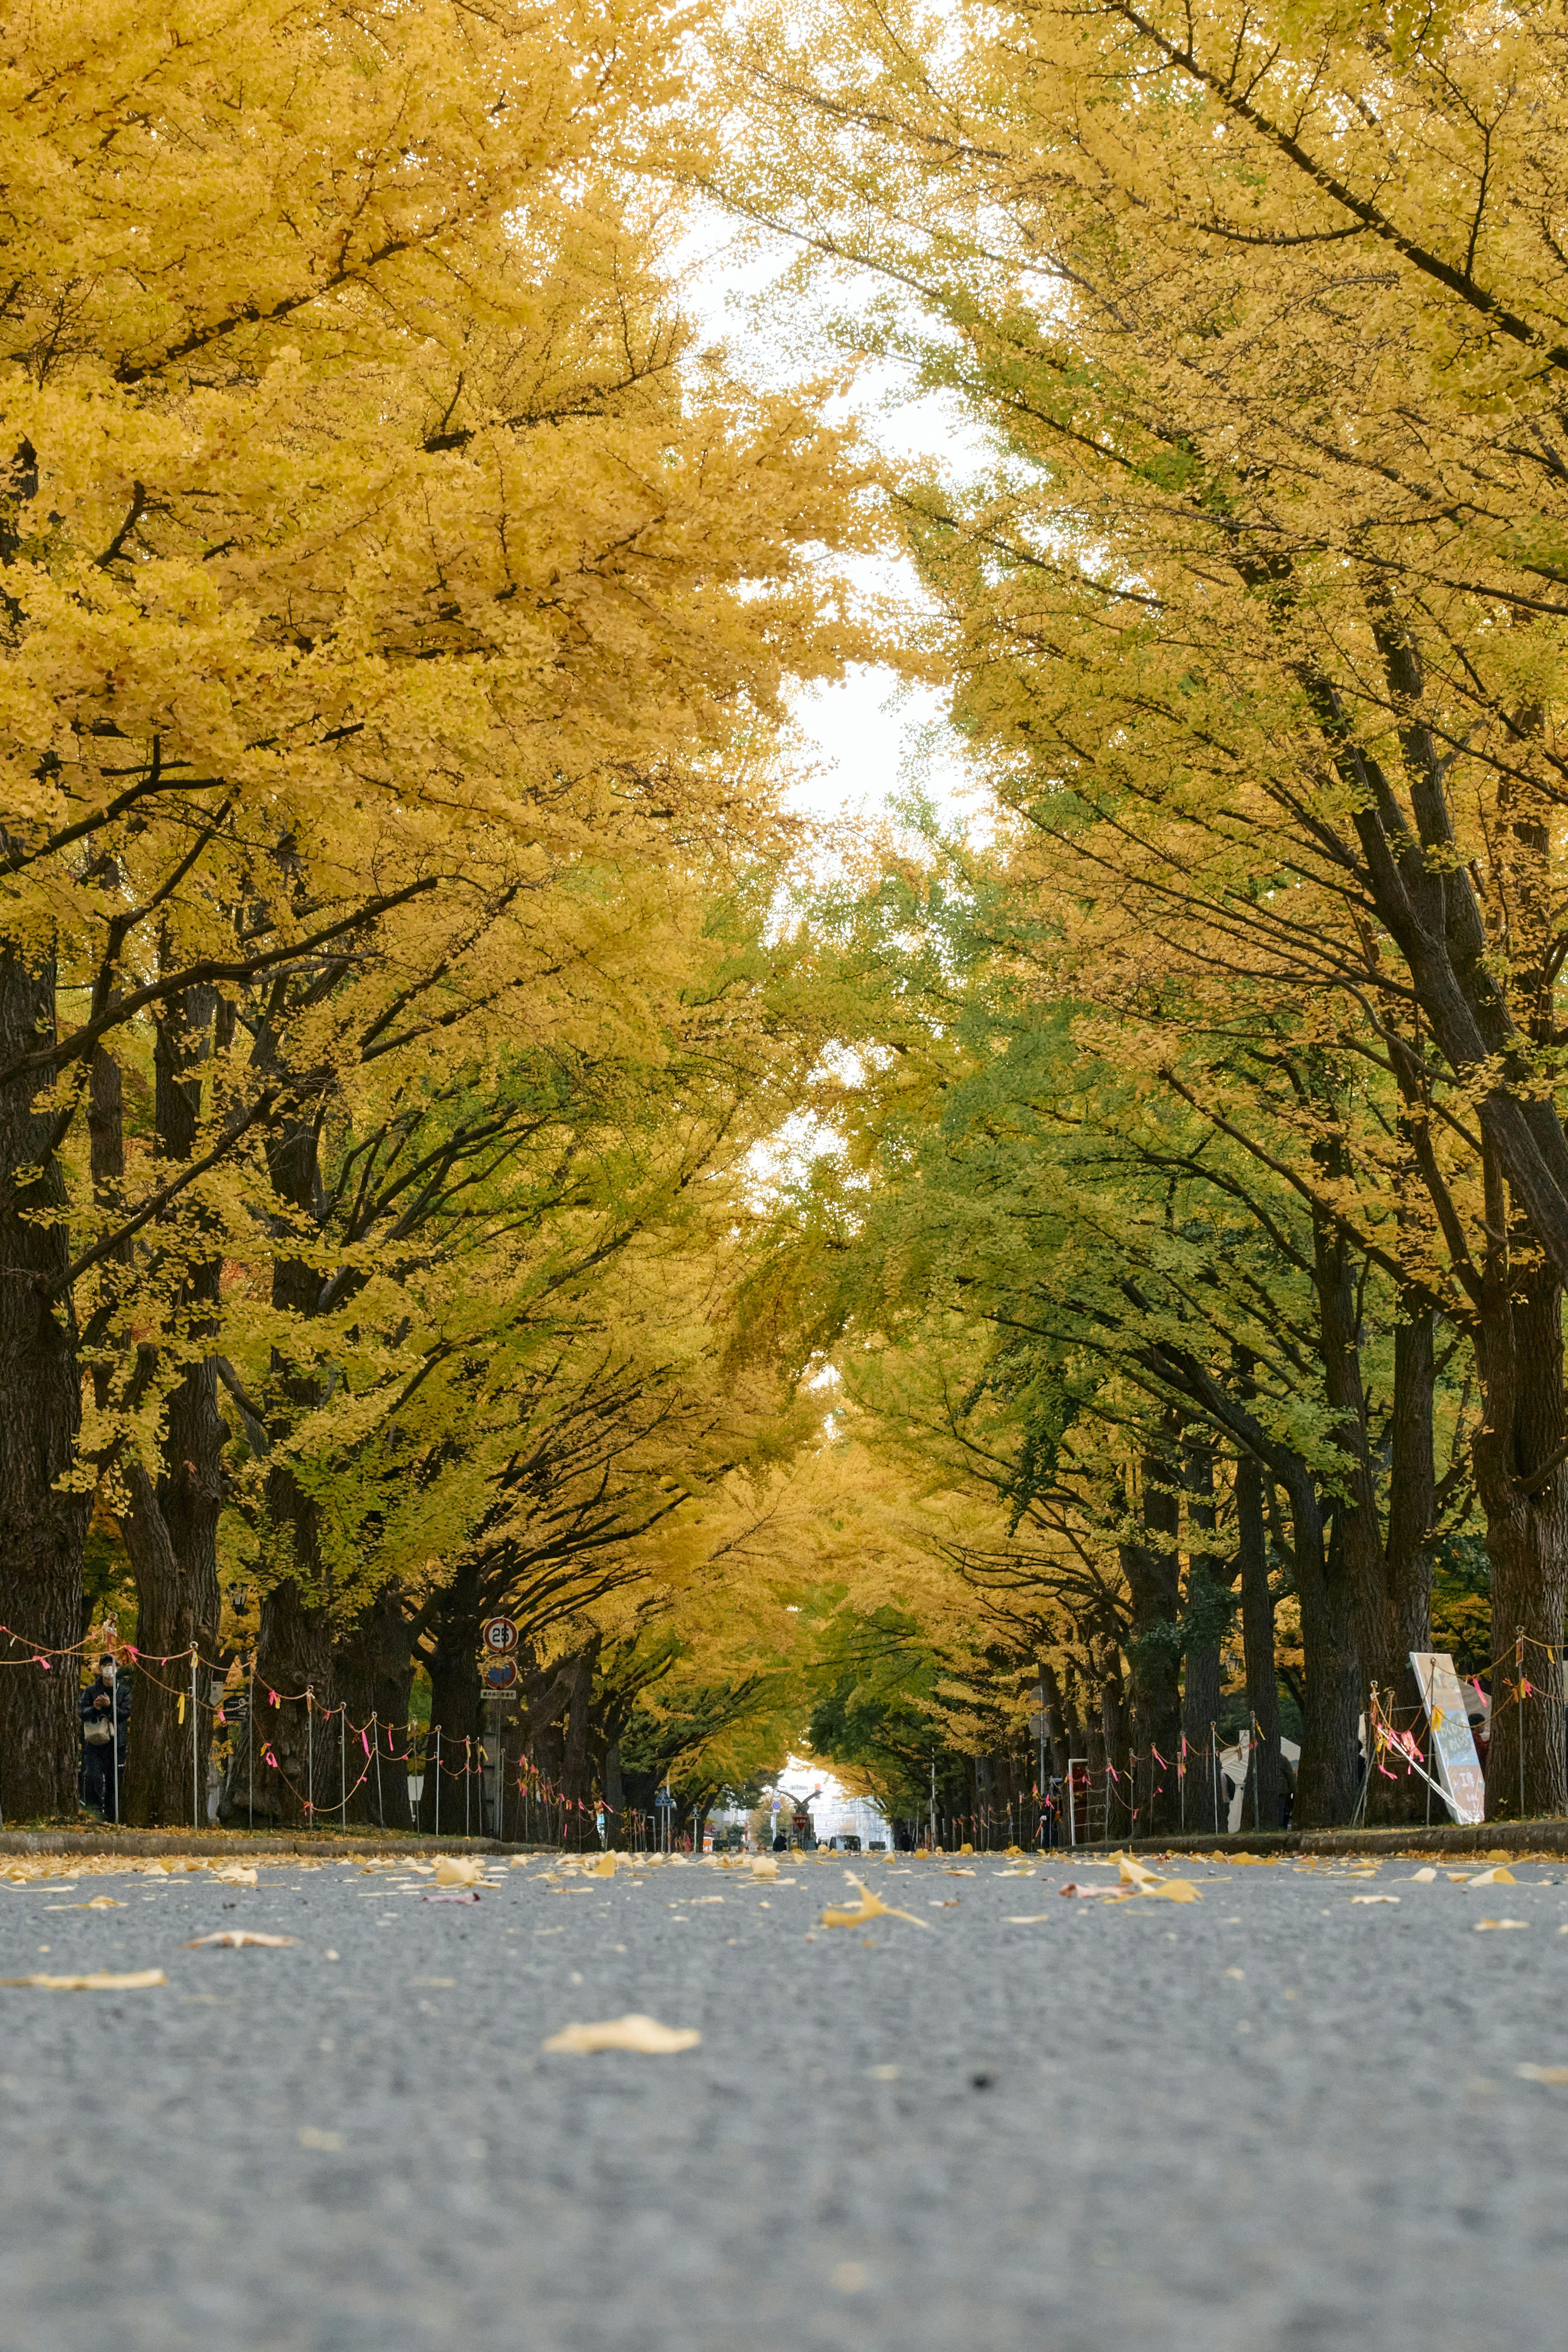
(1177, 1890)
(137, 1981)
(457, 1870)
(1481, 1925)
(1498, 1877)
(1134, 1874)
(643, 2034)
(1543, 2073)
(234, 1937)
(871, 1907)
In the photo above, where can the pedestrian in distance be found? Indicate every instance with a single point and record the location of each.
(105, 1729)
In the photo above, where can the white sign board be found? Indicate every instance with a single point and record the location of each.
(1459, 1766)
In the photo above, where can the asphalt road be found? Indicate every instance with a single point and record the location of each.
(1275, 2119)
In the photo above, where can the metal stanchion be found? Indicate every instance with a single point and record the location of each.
(376, 1743)
(438, 1780)
(311, 1753)
(250, 1749)
(343, 1765)
(196, 1749)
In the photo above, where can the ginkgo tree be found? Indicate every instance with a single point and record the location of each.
(382, 577)
(1257, 618)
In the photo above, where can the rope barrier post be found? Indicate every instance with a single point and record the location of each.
(468, 1781)
(196, 1749)
(115, 1744)
(380, 1808)
(251, 1746)
(1252, 1759)
(1214, 1774)
(438, 1780)
(343, 1765)
(310, 1752)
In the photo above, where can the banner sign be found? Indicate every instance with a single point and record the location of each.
(1459, 1766)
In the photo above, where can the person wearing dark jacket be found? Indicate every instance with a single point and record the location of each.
(105, 1729)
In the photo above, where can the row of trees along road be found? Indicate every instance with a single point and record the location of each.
(1213, 1131)
(395, 615)
(394, 989)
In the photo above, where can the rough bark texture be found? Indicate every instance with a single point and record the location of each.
(1258, 1639)
(42, 1531)
(1398, 1618)
(1152, 1570)
(166, 1774)
(372, 1674)
(1206, 1614)
(294, 1656)
(454, 1697)
(1334, 1578)
(1519, 1350)
(1326, 1784)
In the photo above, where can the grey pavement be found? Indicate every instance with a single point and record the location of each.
(1277, 2117)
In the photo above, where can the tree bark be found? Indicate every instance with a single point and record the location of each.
(372, 1673)
(1520, 1351)
(1398, 1618)
(1258, 1639)
(296, 1752)
(1152, 1571)
(454, 1697)
(1209, 1580)
(42, 1529)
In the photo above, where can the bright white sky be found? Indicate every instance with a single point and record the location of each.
(868, 739)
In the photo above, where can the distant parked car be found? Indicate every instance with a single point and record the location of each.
(843, 1845)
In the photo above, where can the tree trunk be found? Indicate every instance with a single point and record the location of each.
(1326, 1783)
(1205, 1620)
(1258, 1639)
(1400, 1617)
(165, 1766)
(456, 1694)
(1520, 1351)
(372, 1671)
(42, 1529)
(296, 1749)
(617, 1824)
(1152, 1570)
(1118, 1783)
(580, 1828)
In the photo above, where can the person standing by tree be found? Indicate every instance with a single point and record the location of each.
(105, 1729)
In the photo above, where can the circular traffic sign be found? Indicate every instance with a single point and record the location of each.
(501, 1675)
(499, 1636)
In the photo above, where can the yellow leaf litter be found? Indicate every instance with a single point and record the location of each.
(644, 2034)
(138, 1981)
(871, 1907)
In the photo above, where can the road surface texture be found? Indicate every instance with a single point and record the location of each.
(1278, 2118)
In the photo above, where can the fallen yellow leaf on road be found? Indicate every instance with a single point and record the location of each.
(1177, 1890)
(1423, 1878)
(102, 1903)
(1498, 1877)
(236, 1936)
(644, 2034)
(233, 1873)
(455, 1870)
(1543, 2073)
(138, 1981)
(1481, 1925)
(871, 1907)
(1028, 1919)
(1375, 1898)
